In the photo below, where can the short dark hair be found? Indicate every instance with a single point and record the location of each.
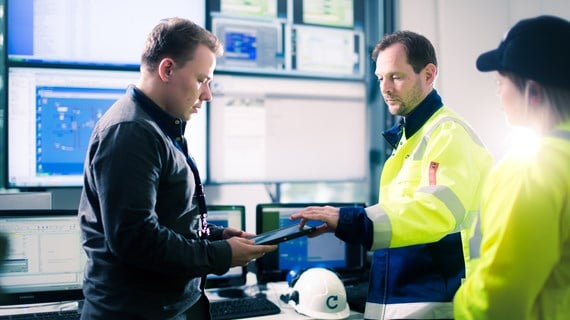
(178, 39)
(418, 48)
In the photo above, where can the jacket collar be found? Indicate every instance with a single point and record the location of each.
(415, 120)
(172, 126)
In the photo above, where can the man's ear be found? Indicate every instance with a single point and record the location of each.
(165, 68)
(430, 73)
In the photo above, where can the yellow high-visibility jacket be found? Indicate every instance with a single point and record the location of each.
(524, 267)
(429, 190)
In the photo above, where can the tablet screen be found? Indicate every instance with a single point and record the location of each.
(282, 234)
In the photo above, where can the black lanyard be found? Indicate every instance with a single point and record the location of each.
(203, 230)
(165, 122)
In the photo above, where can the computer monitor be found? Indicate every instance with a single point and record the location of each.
(252, 33)
(298, 37)
(278, 129)
(227, 216)
(45, 260)
(51, 113)
(98, 33)
(301, 253)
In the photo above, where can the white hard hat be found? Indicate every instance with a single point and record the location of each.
(319, 293)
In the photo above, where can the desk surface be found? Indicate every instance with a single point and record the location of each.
(274, 292)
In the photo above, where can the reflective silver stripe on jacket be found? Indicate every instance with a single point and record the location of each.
(475, 240)
(413, 310)
(444, 193)
(452, 202)
(421, 148)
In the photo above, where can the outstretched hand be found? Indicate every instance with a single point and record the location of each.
(244, 250)
(327, 214)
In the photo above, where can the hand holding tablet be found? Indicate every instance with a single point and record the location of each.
(282, 234)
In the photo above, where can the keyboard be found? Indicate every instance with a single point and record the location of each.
(55, 315)
(242, 308)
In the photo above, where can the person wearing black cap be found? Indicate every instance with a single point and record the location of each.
(523, 271)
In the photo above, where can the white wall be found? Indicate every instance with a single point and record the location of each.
(461, 30)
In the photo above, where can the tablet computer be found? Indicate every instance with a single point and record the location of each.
(282, 234)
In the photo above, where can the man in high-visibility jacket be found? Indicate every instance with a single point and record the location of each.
(429, 191)
(523, 271)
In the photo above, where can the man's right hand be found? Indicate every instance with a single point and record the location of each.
(244, 250)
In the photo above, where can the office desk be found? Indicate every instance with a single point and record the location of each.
(273, 293)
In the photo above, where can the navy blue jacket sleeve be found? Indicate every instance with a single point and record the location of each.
(354, 226)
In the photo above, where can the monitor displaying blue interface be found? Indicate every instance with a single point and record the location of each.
(301, 253)
(45, 259)
(67, 62)
(227, 216)
(51, 113)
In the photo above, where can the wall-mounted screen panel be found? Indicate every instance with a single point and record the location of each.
(322, 38)
(334, 13)
(327, 51)
(51, 113)
(102, 32)
(348, 14)
(268, 129)
(250, 45)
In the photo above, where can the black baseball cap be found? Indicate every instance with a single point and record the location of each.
(537, 48)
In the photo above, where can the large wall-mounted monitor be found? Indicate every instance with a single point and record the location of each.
(67, 62)
(316, 38)
(51, 113)
(95, 33)
(275, 129)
